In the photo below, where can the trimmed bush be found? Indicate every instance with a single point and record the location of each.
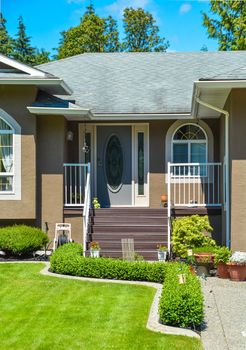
(68, 260)
(181, 305)
(21, 240)
(189, 232)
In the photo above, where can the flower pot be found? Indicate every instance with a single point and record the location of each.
(204, 258)
(95, 253)
(203, 270)
(204, 262)
(237, 271)
(222, 270)
(164, 200)
(162, 255)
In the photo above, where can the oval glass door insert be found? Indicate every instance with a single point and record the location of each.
(114, 163)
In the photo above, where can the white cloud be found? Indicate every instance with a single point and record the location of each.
(185, 8)
(118, 6)
(75, 1)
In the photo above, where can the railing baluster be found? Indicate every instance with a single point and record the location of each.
(65, 180)
(179, 184)
(80, 185)
(218, 189)
(71, 185)
(213, 184)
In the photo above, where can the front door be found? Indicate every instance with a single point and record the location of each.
(114, 165)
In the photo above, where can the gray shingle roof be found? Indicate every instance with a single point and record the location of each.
(141, 82)
(232, 74)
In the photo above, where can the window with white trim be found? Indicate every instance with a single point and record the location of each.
(6, 158)
(189, 145)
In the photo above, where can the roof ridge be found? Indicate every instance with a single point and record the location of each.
(202, 53)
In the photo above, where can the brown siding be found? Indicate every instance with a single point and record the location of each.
(157, 135)
(238, 169)
(76, 222)
(14, 101)
(50, 159)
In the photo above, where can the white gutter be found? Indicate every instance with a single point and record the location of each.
(218, 84)
(58, 111)
(139, 116)
(226, 162)
(37, 81)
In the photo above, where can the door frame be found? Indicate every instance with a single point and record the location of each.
(137, 200)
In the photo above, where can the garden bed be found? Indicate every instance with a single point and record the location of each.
(181, 304)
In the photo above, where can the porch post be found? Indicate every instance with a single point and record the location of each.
(169, 207)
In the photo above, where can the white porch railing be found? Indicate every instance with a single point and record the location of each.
(77, 192)
(86, 211)
(74, 184)
(193, 185)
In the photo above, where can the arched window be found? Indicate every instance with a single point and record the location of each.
(189, 144)
(6, 157)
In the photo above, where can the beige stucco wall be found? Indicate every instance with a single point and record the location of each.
(14, 101)
(238, 169)
(50, 159)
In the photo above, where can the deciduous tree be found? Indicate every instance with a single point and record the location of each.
(141, 32)
(88, 36)
(227, 24)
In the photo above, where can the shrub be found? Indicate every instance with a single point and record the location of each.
(205, 249)
(68, 260)
(181, 305)
(21, 240)
(190, 232)
(222, 255)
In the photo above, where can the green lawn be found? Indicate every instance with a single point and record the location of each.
(39, 312)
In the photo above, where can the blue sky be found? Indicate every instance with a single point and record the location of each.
(179, 21)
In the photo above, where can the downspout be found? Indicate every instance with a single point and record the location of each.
(226, 164)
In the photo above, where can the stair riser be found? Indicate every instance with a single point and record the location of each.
(137, 245)
(128, 229)
(129, 220)
(137, 237)
(129, 212)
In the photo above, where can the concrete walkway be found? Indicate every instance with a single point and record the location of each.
(225, 314)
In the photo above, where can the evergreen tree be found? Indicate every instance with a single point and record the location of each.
(204, 48)
(23, 51)
(228, 25)
(141, 32)
(6, 42)
(112, 43)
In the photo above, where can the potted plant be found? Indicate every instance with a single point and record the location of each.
(204, 257)
(221, 259)
(237, 266)
(164, 199)
(162, 252)
(191, 261)
(96, 204)
(94, 249)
